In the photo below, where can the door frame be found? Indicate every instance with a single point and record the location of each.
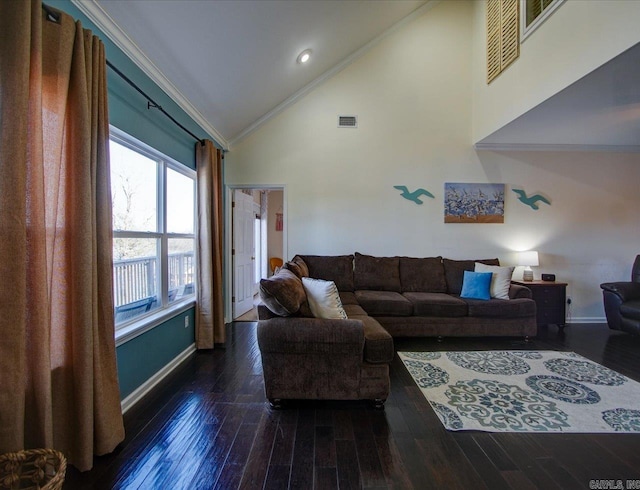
(228, 236)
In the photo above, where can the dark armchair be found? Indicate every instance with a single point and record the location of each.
(622, 302)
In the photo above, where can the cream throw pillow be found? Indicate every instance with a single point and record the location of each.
(500, 281)
(324, 299)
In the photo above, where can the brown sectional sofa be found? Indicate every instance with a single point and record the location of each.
(384, 297)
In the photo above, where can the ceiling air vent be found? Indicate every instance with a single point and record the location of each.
(347, 121)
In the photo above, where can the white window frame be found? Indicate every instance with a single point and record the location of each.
(140, 324)
(526, 31)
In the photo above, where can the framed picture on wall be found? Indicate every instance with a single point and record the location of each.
(473, 203)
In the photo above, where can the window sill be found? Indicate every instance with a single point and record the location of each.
(126, 333)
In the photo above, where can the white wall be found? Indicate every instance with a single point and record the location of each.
(412, 94)
(577, 38)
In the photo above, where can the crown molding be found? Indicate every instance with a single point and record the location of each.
(333, 71)
(108, 26)
(555, 147)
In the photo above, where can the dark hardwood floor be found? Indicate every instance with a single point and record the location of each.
(207, 425)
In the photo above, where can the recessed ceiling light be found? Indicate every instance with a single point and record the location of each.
(304, 56)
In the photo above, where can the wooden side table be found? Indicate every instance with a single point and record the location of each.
(551, 301)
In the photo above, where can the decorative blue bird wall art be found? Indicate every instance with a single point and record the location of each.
(531, 201)
(413, 196)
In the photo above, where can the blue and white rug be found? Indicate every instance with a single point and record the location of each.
(525, 391)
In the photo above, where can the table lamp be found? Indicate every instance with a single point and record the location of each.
(527, 259)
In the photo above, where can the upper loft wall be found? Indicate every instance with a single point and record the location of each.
(576, 39)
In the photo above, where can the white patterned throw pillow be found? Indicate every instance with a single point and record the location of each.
(501, 280)
(324, 299)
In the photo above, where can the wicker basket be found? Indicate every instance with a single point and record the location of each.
(32, 469)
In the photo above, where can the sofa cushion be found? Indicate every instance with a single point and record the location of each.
(378, 344)
(376, 273)
(454, 272)
(423, 275)
(501, 308)
(323, 298)
(348, 298)
(336, 268)
(354, 310)
(436, 304)
(297, 266)
(384, 303)
(283, 293)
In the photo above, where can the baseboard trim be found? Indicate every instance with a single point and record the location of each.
(148, 385)
(587, 319)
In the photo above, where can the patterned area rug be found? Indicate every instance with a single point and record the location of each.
(525, 391)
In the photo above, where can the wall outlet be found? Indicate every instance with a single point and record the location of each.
(186, 321)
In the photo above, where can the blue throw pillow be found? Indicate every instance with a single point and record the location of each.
(476, 285)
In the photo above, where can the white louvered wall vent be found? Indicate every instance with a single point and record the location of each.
(347, 121)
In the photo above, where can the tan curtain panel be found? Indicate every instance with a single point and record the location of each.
(209, 309)
(58, 378)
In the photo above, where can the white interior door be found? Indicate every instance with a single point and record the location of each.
(243, 250)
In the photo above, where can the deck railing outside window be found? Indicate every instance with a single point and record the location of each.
(135, 279)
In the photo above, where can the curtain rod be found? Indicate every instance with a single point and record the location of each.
(152, 104)
(54, 16)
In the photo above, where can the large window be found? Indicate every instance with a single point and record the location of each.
(153, 229)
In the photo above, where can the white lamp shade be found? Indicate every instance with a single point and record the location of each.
(528, 258)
